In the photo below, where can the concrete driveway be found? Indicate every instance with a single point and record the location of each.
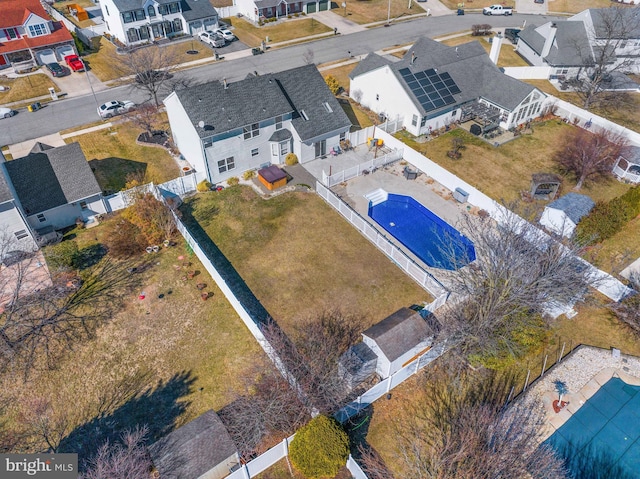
(529, 7)
(77, 83)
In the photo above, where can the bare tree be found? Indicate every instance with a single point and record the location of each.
(628, 309)
(588, 155)
(519, 272)
(146, 117)
(462, 428)
(42, 423)
(127, 459)
(307, 56)
(37, 325)
(607, 53)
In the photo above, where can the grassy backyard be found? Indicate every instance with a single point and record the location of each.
(116, 158)
(299, 257)
(161, 361)
(289, 29)
(25, 87)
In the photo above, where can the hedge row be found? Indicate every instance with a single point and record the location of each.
(607, 218)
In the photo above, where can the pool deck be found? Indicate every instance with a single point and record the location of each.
(584, 372)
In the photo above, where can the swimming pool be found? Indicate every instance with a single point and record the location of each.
(430, 238)
(608, 426)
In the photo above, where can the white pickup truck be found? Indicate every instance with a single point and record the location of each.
(497, 10)
(212, 39)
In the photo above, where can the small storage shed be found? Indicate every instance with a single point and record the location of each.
(272, 177)
(200, 449)
(356, 365)
(544, 186)
(627, 166)
(398, 339)
(77, 11)
(563, 215)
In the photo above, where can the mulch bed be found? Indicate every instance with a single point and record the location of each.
(156, 138)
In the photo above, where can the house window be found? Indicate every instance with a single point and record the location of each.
(177, 25)
(174, 8)
(414, 120)
(37, 30)
(453, 113)
(11, 33)
(151, 11)
(144, 33)
(251, 131)
(226, 164)
(163, 9)
(132, 35)
(278, 122)
(284, 148)
(139, 14)
(41, 217)
(255, 152)
(207, 143)
(423, 121)
(83, 205)
(343, 136)
(21, 234)
(127, 17)
(106, 9)
(327, 107)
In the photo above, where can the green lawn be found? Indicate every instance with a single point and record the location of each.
(300, 257)
(288, 29)
(160, 361)
(115, 157)
(25, 87)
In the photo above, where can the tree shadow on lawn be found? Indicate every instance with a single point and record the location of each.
(113, 173)
(157, 407)
(231, 277)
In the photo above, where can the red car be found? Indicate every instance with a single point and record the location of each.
(74, 63)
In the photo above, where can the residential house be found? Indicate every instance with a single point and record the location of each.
(29, 37)
(201, 449)
(139, 21)
(435, 85)
(627, 166)
(398, 339)
(224, 128)
(563, 215)
(51, 189)
(15, 232)
(571, 47)
(256, 10)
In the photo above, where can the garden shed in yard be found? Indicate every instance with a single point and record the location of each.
(200, 449)
(627, 166)
(398, 339)
(563, 215)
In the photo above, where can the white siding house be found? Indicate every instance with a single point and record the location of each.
(224, 129)
(563, 215)
(435, 85)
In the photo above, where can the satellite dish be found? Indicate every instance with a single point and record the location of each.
(201, 124)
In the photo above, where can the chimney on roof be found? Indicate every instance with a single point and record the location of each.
(413, 57)
(224, 82)
(548, 42)
(496, 43)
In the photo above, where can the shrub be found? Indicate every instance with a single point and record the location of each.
(289, 17)
(153, 219)
(332, 83)
(247, 175)
(319, 449)
(233, 181)
(607, 218)
(291, 159)
(124, 240)
(204, 185)
(62, 256)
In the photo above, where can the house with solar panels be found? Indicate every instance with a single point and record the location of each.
(435, 85)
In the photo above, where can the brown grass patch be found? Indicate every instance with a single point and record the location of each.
(26, 87)
(285, 30)
(369, 11)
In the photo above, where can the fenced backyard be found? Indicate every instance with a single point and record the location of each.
(361, 169)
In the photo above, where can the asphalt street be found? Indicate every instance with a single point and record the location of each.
(74, 112)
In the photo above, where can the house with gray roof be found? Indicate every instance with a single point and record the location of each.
(257, 10)
(572, 47)
(201, 449)
(140, 21)
(435, 85)
(563, 215)
(225, 128)
(398, 339)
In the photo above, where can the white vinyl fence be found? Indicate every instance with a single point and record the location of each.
(413, 269)
(528, 73)
(355, 469)
(362, 168)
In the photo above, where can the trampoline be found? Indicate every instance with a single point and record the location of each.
(608, 424)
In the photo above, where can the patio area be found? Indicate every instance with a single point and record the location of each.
(345, 160)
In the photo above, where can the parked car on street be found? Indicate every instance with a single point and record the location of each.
(6, 112)
(115, 107)
(152, 76)
(213, 39)
(74, 63)
(225, 33)
(497, 10)
(57, 70)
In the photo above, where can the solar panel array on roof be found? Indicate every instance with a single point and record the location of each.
(433, 90)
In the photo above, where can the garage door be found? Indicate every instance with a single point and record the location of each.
(64, 51)
(311, 7)
(46, 56)
(323, 6)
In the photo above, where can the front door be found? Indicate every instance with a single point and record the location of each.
(321, 148)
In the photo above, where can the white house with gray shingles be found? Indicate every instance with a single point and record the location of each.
(627, 166)
(15, 232)
(563, 215)
(570, 46)
(224, 129)
(140, 21)
(398, 339)
(256, 10)
(434, 85)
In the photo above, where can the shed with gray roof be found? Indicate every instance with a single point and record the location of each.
(562, 215)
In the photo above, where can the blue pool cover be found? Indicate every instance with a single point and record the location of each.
(431, 239)
(608, 424)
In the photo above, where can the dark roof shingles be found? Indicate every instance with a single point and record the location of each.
(574, 205)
